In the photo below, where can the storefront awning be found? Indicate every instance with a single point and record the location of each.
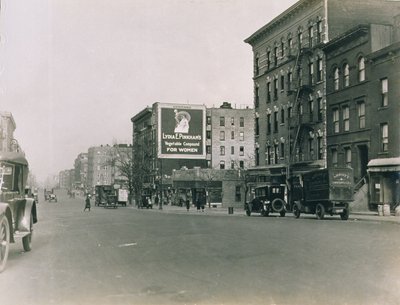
(384, 165)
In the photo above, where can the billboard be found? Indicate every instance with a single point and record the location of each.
(181, 131)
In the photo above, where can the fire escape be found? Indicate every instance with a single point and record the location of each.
(300, 124)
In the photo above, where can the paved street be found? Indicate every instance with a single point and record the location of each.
(170, 256)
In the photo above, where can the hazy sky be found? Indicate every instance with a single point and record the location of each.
(73, 72)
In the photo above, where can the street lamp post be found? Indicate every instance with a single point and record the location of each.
(161, 185)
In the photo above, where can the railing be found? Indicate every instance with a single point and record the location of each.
(360, 183)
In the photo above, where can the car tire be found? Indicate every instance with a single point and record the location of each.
(345, 214)
(296, 211)
(278, 205)
(320, 211)
(27, 240)
(4, 241)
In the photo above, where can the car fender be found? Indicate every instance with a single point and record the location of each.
(26, 208)
(5, 210)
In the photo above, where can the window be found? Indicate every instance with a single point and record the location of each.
(208, 120)
(320, 109)
(311, 147)
(282, 82)
(241, 121)
(222, 135)
(256, 66)
(346, 118)
(310, 36)
(290, 45)
(384, 137)
(334, 158)
(320, 148)
(276, 56)
(275, 88)
(361, 114)
(282, 49)
(257, 127)
(241, 136)
(320, 69)
(346, 75)
(311, 73)
(289, 112)
(238, 194)
(222, 164)
(232, 121)
(268, 123)
(361, 69)
(241, 164)
(384, 87)
(268, 60)
(311, 108)
(282, 150)
(319, 31)
(222, 150)
(208, 149)
(268, 153)
(268, 92)
(276, 154)
(208, 134)
(256, 96)
(300, 39)
(282, 116)
(276, 121)
(347, 154)
(336, 79)
(232, 150)
(232, 135)
(335, 120)
(241, 151)
(290, 80)
(222, 121)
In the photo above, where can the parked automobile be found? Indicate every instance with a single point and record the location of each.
(268, 199)
(52, 197)
(17, 211)
(321, 192)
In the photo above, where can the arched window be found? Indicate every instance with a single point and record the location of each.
(346, 75)
(361, 69)
(336, 78)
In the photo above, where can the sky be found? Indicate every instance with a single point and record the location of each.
(74, 72)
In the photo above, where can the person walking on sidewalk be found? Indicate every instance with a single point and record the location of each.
(87, 203)
(187, 204)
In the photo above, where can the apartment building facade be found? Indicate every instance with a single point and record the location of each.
(289, 81)
(363, 94)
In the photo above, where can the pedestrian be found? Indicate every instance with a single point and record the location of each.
(87, 203)
(156, 200)
(198, 204)
(187, 204)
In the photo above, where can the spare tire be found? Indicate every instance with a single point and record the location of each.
(278, 205)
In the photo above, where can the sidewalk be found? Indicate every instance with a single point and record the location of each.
(222, 211)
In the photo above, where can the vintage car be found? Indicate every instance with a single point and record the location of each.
(17, 211)
(52, 197)
(268, 199)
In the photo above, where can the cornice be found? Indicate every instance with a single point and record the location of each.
(280, 19)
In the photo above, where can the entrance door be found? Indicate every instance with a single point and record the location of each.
(363, 161)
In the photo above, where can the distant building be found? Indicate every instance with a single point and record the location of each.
(7, 128)
(66, 179)
(99, 168)
(81, 171)
(170, 137)
(230, 137)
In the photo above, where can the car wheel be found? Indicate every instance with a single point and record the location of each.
(345, 214)
(283, 213)
(27, 240)
(296, 211)
(4, 241)
(278, 205)
(320, 211)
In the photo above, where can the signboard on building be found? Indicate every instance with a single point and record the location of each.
(181, 131)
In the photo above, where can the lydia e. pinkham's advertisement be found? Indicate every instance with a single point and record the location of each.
(181, 131)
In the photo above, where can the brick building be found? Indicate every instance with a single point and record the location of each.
(289, 81)
(363, 93)
(7, 128)
(81, 171)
